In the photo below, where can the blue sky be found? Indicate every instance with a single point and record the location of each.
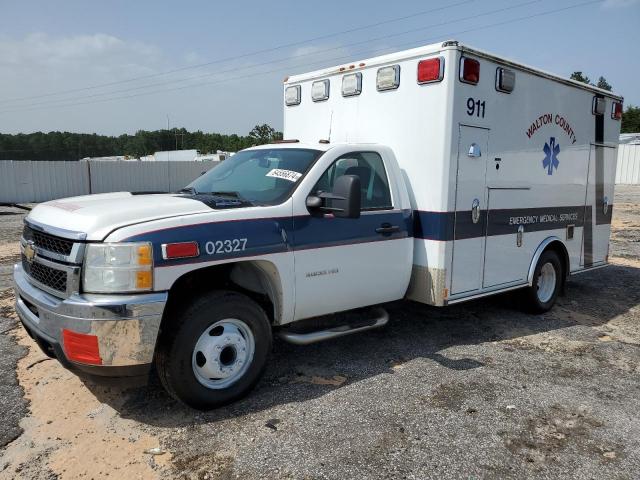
(49, 47)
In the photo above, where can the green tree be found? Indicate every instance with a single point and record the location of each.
(579, 77)
(264, 134)
(631, 120)
(603, 84)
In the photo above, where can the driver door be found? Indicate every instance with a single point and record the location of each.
(346, 263)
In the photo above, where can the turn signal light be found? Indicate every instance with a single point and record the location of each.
(431, 70)
(144, 279)
(144, 255)
(81, 348)
(469, 70)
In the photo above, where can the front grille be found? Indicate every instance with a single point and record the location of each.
(48, 242)
(50, 277)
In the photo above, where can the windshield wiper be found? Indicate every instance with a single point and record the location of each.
(231, 194)
(191, 190)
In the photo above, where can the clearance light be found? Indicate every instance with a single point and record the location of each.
(293, 95)
(431, 70)
(598, 106)
(616, 110)
(352, 84)
(81, 348)
(180, 250)
(469, 70)
(388, 78)
(320, 90)
(505, 80)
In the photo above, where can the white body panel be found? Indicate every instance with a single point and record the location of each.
(430, 128)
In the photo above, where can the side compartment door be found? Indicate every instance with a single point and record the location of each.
(346, 263)
(598, 205)
(470, 213)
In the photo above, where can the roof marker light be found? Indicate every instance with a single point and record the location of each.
(469, 70)
(505, 80)
(431, 70)
(616, 110)
(320, 90)
(352, 84)
(388, 78)
(293, 95)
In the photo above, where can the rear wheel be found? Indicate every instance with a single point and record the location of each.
(547, 282)
(215, 351)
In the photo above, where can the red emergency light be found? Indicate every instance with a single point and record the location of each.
(469, 70)
(616, 111)
(431, 70)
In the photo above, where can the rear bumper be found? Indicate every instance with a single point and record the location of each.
(126, 325)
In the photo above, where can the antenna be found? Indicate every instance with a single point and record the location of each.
(330, 125)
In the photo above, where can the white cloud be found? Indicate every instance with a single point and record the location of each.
(620, 3)
(38, 64)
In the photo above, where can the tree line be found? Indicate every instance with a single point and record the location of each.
(74, 146)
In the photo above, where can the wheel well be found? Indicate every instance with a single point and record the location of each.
(558, 247)
(551, 244)
(259, 280)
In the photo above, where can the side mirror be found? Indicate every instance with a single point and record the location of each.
(344, 201)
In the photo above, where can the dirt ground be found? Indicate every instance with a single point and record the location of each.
(479, 390)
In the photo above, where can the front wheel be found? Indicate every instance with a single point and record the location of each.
(547, 282)
(215, 352)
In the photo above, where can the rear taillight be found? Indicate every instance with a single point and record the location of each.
(431, 70)
(469, 70)
(616, 110)
(82, 348)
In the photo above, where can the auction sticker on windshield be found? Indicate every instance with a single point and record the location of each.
(284, 174)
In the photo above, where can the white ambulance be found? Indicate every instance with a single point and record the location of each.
(439, 174)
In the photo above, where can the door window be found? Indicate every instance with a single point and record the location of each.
(375, 193)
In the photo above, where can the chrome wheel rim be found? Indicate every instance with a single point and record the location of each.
(546, 284)
(223, 353)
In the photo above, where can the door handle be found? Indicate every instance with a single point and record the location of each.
(387, 229)
(475, 210)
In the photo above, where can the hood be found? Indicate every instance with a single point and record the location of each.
(98, 215)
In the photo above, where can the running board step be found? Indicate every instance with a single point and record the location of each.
(379, 319)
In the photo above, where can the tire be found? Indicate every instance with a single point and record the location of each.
(547, 283)
(215, 351)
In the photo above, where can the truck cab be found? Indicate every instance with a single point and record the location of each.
(197, 280)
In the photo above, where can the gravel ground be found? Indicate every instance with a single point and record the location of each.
(478, 390)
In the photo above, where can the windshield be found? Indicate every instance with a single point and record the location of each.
(265, 176)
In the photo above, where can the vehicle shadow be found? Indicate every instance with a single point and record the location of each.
(297, 373)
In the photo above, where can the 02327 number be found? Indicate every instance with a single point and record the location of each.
(475, 108)
(225, 246)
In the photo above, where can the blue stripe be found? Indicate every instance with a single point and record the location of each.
(433, 225)
(276, 235)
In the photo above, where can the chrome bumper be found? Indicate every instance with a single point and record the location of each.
(126, 325)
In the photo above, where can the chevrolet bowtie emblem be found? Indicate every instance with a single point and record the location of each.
(29, 251)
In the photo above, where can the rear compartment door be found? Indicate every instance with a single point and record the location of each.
(598, 205)
(470, 210)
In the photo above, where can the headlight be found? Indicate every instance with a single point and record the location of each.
(118, 267)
